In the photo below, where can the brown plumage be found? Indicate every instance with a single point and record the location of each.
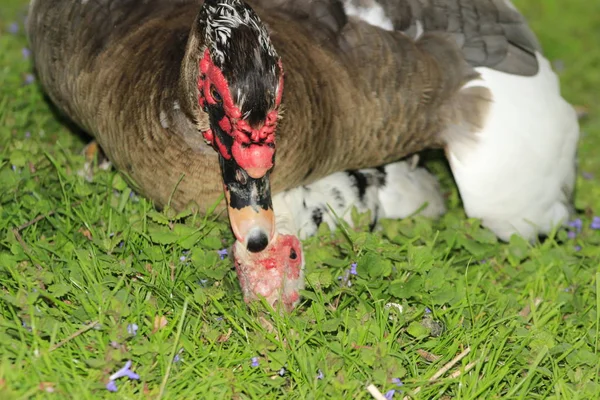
(367, 82)
(355, 95)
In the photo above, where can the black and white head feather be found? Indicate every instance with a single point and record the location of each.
(222, 18)
(239, 44)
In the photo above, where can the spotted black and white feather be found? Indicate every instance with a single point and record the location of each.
(396, 190)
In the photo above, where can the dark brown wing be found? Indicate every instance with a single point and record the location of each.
(491, 33)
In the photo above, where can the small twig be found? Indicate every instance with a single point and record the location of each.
(442, 370)
(458, 372)
(450, 364)
(15, 232)
(33, 221)
(81, 331)
(377, 395)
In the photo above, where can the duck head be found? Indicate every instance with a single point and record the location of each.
(277, 273)
(240, 85)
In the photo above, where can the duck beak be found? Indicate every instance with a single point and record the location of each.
(249, 206)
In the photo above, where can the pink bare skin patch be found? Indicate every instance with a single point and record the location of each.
(276, 273)
(253, 147)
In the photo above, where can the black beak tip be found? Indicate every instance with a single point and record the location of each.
(257, 241)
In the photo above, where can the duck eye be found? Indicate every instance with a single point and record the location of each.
(293, 254)
(215, 95)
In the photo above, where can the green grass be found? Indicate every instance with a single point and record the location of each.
(81, 261)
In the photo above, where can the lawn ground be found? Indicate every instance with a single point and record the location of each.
(91, 276)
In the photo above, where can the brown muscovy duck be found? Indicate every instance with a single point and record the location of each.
(331, 86)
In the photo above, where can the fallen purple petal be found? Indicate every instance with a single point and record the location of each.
(178, 357)
(125, 371)
(254, 362)
(595, 223)
(390, 394)
(132, 329)
(397, 381)
(577, 224)
(111, 386)
(29, 79)
(222, 253)
(13, 28)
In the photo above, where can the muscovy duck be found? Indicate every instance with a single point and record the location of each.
(162, 84)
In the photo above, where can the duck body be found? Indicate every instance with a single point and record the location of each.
(114, 67)
(366, 83)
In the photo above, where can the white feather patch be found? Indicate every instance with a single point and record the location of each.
(372, 14)
(518, 174)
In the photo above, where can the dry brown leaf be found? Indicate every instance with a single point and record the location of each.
(160, 321)
(85, 232)
(224, 337)
(427, 355)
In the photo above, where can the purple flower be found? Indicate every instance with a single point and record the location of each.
(132, 329)
(182, 258)
(577, 224)
(353, 269)
(14, 168)
(282, 371)
(320, 375)
(222, 253)
(588, 176)
(397, 381)
(111, 386)
(13, 28)
(390, 394)
(571, 235)
(27, 135)
(125, 371)
(26, 52)
(177, 357)
(595, 223)
(577, 248)
(427, 310)
(29, 79)
(254, 362)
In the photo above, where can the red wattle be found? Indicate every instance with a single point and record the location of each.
(255, 159)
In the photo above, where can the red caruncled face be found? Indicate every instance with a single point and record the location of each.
(253, 148)
(275, 273)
